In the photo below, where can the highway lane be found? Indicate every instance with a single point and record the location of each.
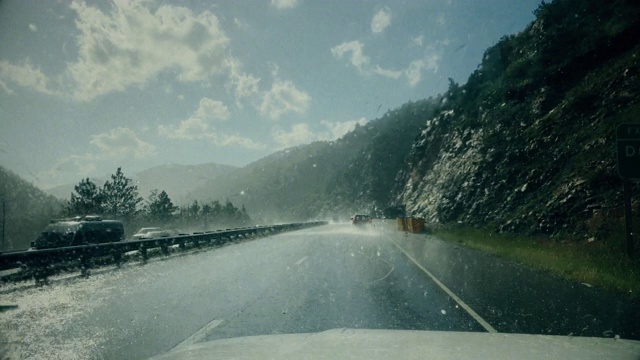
(334, 276)
(305, 281)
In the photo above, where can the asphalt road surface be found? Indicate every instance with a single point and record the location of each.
(335, 276)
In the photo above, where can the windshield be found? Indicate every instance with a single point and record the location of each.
(266, 167)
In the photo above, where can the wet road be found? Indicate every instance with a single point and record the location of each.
(323, 278)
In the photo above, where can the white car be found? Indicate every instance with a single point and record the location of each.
(156, 234)
(144, 232)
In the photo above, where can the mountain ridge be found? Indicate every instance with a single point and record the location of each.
(326, 179)
(527, 144)
(161, 177)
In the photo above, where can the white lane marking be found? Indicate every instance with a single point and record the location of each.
(302, 260)
(384, 277)
(199, 335)
(462, 304)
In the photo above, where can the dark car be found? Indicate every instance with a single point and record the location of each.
(361, 219)
(79, 231)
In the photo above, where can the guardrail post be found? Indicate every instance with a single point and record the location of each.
(117, 257)
(165, 249)
(41, 277)
(85, 264)
(143, 253)
(41, 271)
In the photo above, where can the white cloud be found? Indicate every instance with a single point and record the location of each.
(212, 109)
(339, 129)
(275, 69)
(298, 135)
(413, 72)
(26, 75)
(121, 143)
(189, 129)
(135, 42)
(381, 20)
(198, 127)
(284, 98)
(393, 74)
(240, 84)
(416, 67)
(6, 88)
(284, 4)
(81, 166)
(357, 58)
(235, 140)
(418, 40)
(241, 24)
(132, 44)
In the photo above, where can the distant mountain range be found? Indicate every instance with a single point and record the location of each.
(177, 180)
(355, 173)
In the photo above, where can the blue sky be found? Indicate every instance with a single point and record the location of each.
(87, 86)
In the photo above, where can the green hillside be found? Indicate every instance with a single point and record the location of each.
(527, 144)
(24, 210)
(327, 179)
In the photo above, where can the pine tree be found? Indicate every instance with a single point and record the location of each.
(88, 199)
(120, 198)
(159, 206)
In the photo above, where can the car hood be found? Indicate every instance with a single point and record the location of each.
(407, 344)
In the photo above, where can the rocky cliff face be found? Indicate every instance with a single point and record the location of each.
(528, 143)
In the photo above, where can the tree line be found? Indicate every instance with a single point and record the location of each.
(119, 199)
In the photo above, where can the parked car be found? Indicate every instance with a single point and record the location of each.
(79, 231)
(361, 219)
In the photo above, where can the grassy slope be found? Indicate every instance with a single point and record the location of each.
(600, 263)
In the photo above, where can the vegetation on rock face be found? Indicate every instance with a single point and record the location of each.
(527, 144)
(24, 211)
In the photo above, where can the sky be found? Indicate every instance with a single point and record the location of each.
(90, 86)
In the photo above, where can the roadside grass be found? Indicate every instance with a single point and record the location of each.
(601, 264)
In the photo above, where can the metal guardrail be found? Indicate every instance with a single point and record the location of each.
(40, 264)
